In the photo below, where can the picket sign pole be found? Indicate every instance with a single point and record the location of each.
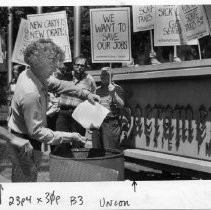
(77, 31)
(151, 40)
(110, 80)
(199, 48)
(39, 10)
(10, 43)
(175, 51)
(45, 147)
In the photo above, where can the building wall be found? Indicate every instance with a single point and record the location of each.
(169, 114)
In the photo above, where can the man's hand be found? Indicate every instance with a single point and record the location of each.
(24, 147)
(77, 139)
(26, 151)
(111, 88)
(92, 98)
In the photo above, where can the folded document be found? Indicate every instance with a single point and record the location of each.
(90, 116)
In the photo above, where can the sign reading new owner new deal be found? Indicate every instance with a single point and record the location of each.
(110, 35)
(51, 25)
(46, 25)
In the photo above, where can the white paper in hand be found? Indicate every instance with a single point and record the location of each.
(90, 116)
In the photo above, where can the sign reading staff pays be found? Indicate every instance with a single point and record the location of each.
(110, 35)
(53, 26)
(143, 17)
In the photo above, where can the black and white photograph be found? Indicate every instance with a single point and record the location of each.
(105, 95)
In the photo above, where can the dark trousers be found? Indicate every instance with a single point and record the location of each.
(66, 123)
(108, 136)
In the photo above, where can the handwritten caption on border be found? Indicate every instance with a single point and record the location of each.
(106, 195)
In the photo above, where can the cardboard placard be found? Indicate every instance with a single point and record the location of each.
(110, 35)
(193, 21)
(22, 40)
(143, 17)
(51, 25)
(167, 26)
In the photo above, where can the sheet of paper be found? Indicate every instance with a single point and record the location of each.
(89, 115)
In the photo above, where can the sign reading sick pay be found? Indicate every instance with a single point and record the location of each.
(110, 35)
(53, 26)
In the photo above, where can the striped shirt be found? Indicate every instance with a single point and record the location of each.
(87, 82)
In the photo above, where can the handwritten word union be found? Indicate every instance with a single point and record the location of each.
(113, 203)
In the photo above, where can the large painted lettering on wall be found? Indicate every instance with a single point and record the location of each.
(175, 129)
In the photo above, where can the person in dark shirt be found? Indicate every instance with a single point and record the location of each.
(112, 97)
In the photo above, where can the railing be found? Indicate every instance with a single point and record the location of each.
(182, 69)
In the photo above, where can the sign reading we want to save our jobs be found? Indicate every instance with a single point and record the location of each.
(110, 35)
(45, 25)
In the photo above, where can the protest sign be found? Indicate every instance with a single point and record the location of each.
(143, 17)
(193, 21)
(110, 35)
(167, 26)
(51, 25)
(22, 40)
(192, 42)
(207, 9)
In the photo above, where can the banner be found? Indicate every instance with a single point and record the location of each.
(143, 17)
(110, 35)
(194, 21)
(167, 26)
(51, 25)
(22, 40)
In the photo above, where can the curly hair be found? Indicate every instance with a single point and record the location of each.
(43, 51)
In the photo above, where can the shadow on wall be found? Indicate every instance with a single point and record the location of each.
(168, 128)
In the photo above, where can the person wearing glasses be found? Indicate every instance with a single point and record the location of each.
(65, 122)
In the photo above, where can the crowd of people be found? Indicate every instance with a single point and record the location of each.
(43, 101)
